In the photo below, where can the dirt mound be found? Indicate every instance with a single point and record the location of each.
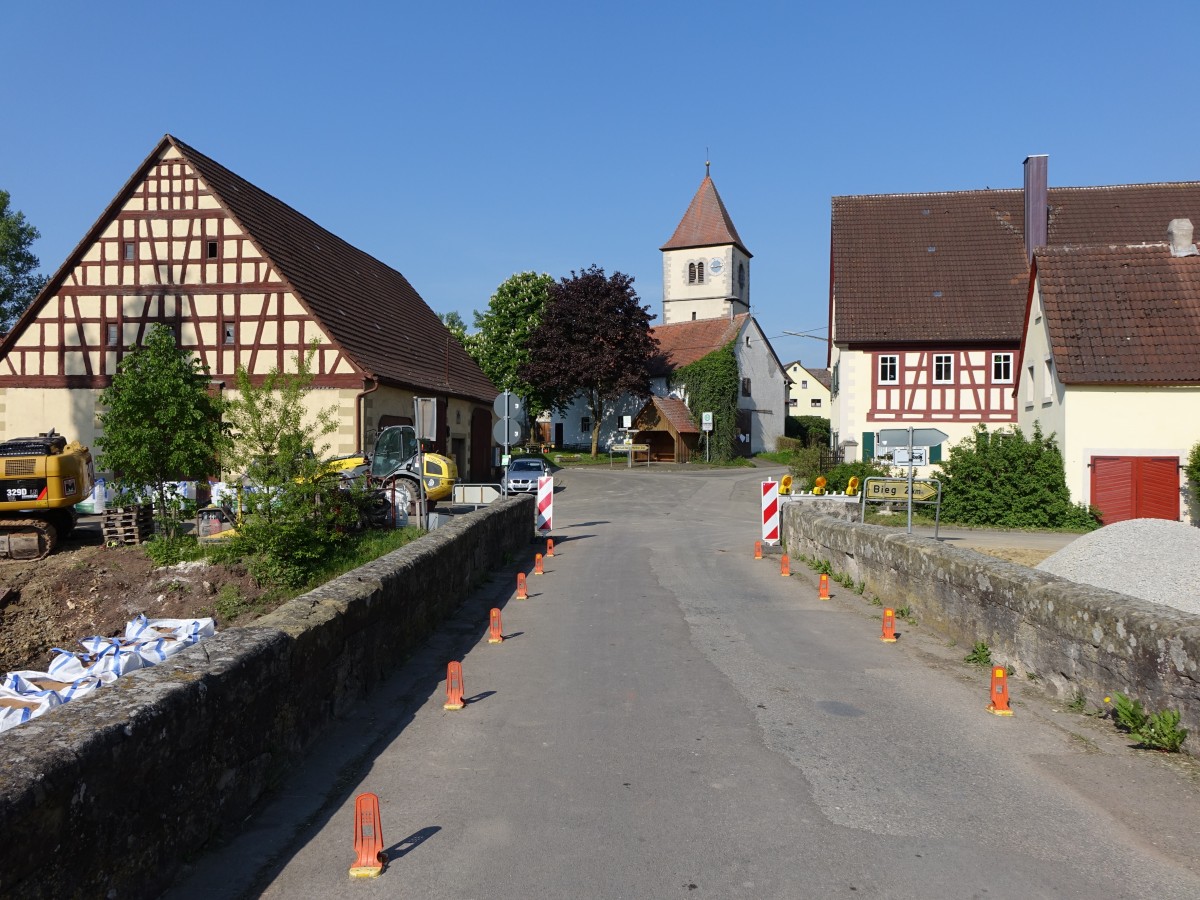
(86, 589)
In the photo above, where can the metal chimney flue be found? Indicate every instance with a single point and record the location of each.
(1037, 210)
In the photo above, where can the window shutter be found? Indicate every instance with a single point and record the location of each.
(868, 445)
(935, 453)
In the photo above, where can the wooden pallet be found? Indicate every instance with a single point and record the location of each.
(127, 524)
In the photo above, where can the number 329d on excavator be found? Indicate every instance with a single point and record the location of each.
(41, 480)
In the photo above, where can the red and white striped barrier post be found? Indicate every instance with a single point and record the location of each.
(545, 503)
(770, 512)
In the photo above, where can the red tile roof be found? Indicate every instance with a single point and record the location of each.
(706, 222)
(677, 413)
(367, 307)
(952, 266)
(682, 343)
(1122, 314)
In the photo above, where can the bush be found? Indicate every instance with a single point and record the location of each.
(788, 444)
(808, 430)
(1009, 481)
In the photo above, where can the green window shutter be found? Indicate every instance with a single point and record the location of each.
(935, 453)
(868, 445)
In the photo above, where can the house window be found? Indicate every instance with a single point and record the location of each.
(741, 276)
(691, 273)
(128, 250)
(229, 333)
(834, 379)
(815, 402)
(585, 424)
(804, 384)
(889, 369)
(112, 334)
(943, 368)
(211, 249)
(700, 273)
(693, 317)
(1048, 387)
(745, 387)
(1029, 385)
(1002, 368)
(792, 401)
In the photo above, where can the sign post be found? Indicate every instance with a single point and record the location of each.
(508, 430)
(906, 437)
(706, 425)
(425, 416)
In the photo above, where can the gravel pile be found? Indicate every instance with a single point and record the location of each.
(1152, 559)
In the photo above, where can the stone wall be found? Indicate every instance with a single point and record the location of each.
(1071, 638)
(106, 795)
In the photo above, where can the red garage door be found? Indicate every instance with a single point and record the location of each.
(1135, 487)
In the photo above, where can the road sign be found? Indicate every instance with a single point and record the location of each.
(706, 421)
(897, 489)
(920, 456)
(631, 448)
(770, 512)
(515, 405)
(921, 437)
(508, 432)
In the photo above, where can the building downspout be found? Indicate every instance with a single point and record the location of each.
(359, 410)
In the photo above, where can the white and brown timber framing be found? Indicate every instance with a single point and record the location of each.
(244, 280)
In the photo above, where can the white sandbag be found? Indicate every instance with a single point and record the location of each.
(188, 630)
(16, 709)
(30, 682)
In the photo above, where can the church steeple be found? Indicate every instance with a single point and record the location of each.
(706, 267)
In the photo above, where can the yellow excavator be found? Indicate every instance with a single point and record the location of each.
(41, 480)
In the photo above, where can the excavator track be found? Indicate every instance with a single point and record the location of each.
(27, 538)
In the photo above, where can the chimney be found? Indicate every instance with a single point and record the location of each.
(1180, 233)
(1036, 210)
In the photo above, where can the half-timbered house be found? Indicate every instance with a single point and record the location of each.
(928, 292)
(243, 280)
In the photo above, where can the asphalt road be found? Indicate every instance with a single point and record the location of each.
(670, 718)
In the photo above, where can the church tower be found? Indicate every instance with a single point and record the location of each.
(706, 267)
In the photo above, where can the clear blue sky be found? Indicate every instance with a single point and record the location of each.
(463, 142)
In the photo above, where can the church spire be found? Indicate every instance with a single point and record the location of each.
(706, 222)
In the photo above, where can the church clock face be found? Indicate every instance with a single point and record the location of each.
(715, 266)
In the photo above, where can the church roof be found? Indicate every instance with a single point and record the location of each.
(706, 222)
(681, 343)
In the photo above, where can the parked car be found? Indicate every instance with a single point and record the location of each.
(523, 473)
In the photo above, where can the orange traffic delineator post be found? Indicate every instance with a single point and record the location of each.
(758, 549)
(495, 635)
(785, 567)
(999, 704)
(823, 593)
(537, 564)
(889, 626)
(454, 687)
(549, 548)
(522, 591)
(368, 838)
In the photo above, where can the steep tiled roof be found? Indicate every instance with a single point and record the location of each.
(951, 267)
(368, 307)
(676, 411)
(1122, 314)
(685, 342)
(706, 222)
(823, 376)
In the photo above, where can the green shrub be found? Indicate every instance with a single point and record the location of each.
(167, 551)
(1162, 732)
(980, 655)
(788, 444)
(810, 431)
(1128, 713)
(1009, 481)
(712, 384)
(838, 478)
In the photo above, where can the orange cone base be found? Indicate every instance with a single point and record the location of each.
(998, 712)
(459, 705)
(890, 640)
(495, 640)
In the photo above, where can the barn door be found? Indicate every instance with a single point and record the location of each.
(1135, 487)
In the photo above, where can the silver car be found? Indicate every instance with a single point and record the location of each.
(523, 474)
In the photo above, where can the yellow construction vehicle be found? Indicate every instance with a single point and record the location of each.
(394, 468)
(41, 480)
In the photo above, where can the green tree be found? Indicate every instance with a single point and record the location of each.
(457, 327)
(1007, 480)
(593, 341)
(160, 422)
(19, 278)
(711, 384)
(294, 516)
(502, 332)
